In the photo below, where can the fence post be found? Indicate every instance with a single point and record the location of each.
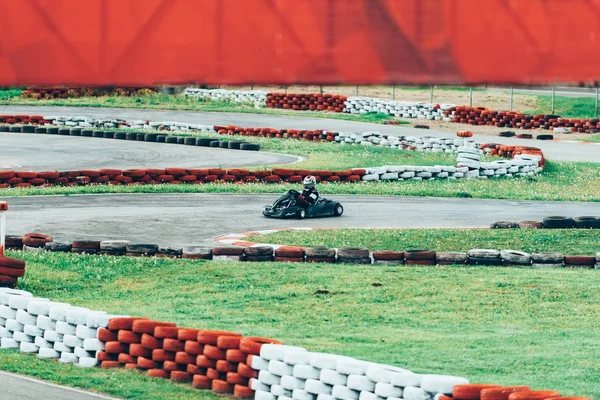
(321, 89)
(286, 90)
(431, 96)
(393, 92)
(511, 99)
(553, 99)
(596, 108)
(470, 96)
(356, 91)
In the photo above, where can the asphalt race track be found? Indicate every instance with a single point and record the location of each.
(553, 150)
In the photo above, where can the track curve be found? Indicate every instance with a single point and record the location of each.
(192, 219)
(562, 151)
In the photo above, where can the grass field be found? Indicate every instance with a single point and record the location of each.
(499, 325)
(567, 241)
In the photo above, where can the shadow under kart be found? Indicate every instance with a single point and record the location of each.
(290, 206)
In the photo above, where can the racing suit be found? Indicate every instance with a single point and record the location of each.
(309, 196)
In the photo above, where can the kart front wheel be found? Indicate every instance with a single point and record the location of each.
(338, 210)
(301, 213)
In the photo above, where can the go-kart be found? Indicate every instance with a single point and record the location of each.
(290, 206)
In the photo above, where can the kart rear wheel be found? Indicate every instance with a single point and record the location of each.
(338, 210)
(301, 213)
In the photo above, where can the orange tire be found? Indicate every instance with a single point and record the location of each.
(193, 347)
(243, 392)
(132, 366)
(533, 395)
(201, 382)
(106, 335)
(236, 379)
(121, 323)
(226, 366)
(470, 391)
(125, 358)
(146, 363)
(501, 393)
(213, 373)
(228, 342)
(150, 342)
(116, 347)
(163, 332)
(220, 386)
(204, 362)
(211, 337)
(148, 326)
(172, 366)
(137, 350)
(128, 337)
(158, 373)
(160, 355)
(181, 376)
(235, 355)
(193, 369)
(213, 352)
(246, 371)
(181, 357)
(188, 334)
(104, 356)
(173, 345)
(110, 364)
(252, 345)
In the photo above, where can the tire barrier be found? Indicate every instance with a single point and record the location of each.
(222, 361)
(74, 92)
(256, 97)
(363, 105)
(307, 102)
(10, 270)
(552, 222)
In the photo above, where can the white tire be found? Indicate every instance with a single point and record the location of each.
(278, 390)
(291, 383)
(65, 328)
(306, 372)
(22, 337)
(279, 368)
(7, 313)
(8, 343)
(326, 361)
(404, 380)
(28, 347)
(259, 363)
(268, 378)
(285, 398)
(84, 332)
(5, 294)
(325, 397)
(93, 345)
(25, 318)
(277, 351)
(356, 367)
(99, 319)
(387, 390)
(45, 323)
(263, 395)
(43, 343)
(77, 315)
(45, 352)
(58, 312)
(87, 362)
(72, 341)
(80, 352)
(5, 333)
(42, 307)
(344, 393)
(297, 357)
(360, 383)
(383, 373)
(53, 336)
(32, 330)
(364, 395)
(332, 377)
(257, 385)
(416, 393)
(68, 358)
(63, 348)
(316, 387)
(441, 383)
(300, 394)
(21, 302)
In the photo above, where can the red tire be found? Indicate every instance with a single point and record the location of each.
(252, 345)
(501, 393)
(13, 263)
(236, 379)
(228, 342)
(220, 386)
(193, 369)
(194, 348)
(181, 357)
(148, 326)
(13, 272)
(470, 391)
(146, 363)
(388, 255)
(225, 366)
(125, 323)
(104, 356)
(160, 355)
(173, 345)
(8, 281)
(290, 252)
(163, 332)
(235, 355)
(213, 352)
(204, 362)
(172, 366)
(246, 371)
(116, 347)
(201, 382)
(158, 373)
(211, 337)
(129, 337)
(243, 392)
(150, 342)
(533, 395)
(213, 374)
(132, 366)
(181, 376)
(138, 350)
(110, 364)
(36, 239)
(106, 335)
(188, 334)
(125, 358)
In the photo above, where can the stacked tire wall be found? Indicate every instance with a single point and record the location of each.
(307, 102)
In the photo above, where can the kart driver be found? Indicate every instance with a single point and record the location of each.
(309, 195)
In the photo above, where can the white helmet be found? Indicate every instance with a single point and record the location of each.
(309, 182)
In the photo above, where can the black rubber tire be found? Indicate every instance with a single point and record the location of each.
(215, 143)
(142, 248)
(150, 137)
(259, 258)
(161, 138)
(180, 140)
(87, 132)
(98, 134)
(258, 251)
(484, 261)
(504, 225)
(39, 129)
(171, 139)
(140, 136)
(15, 128)
(204, 141)
(353, 253)
(587, 222)
(131, 136)
(190, 141)
(64, 131)
(52, 130)
(224, 144)
(109, 134)
(506, 134)
(338, 210)
(343, 260)
(28, 129)
(4, 128)
(234, 144)
(544, 137)
(75, 132)
(558, 222)
(320, 252)
(250, 146)
(121, 135)
(301, 213)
